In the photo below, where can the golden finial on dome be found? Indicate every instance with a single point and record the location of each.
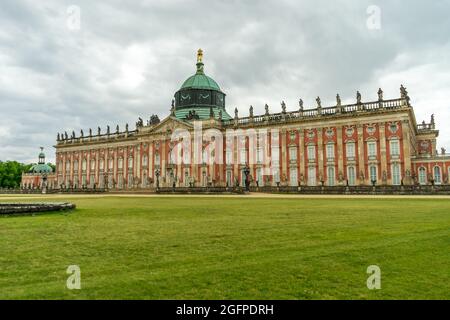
(199, 55)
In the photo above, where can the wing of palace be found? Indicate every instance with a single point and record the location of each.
(200, 144)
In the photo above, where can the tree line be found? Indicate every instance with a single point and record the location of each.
(11, 173)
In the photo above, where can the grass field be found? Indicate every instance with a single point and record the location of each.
(229, 248)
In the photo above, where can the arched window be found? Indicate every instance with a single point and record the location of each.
(84, 165)
(437, 175)
(157, 159)
(422, 176)
(75, 165)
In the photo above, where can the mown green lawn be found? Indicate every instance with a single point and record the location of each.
(229, 248)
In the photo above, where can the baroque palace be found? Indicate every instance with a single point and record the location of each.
(365, 143)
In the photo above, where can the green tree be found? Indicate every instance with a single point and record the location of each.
(11, 173)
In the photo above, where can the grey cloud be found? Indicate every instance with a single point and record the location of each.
(54, 80)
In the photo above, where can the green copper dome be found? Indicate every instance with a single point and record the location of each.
(200, 81)
(41, 168)
(200, 97)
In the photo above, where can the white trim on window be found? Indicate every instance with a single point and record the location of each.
(423, 176)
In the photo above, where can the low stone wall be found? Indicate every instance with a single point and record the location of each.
(362, 190)
(51, 191)
(342, 190)
(30, 208)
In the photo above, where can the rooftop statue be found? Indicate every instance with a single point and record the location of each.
(139, 123)
(300, 103)
(267, 109)
(283, 107)
(319, 102)
(380, 95)
(358, 97)
(338, 100)
(154, 119)
(251, 111)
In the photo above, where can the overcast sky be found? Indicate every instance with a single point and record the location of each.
(127, 58)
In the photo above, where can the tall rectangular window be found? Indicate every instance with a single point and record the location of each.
(293, 154)
(229, 182)
(351, 175)
(293, 177)
(350, 150)
(330, 151)
(276, 175)
(395, 148)
(144, 160)
(275, 155)
(372, 148)
(243, 156)
(437, 175)
(311, 176)
(396, 175)
(229, 157)
(373, 174)
(331, 172)
(311, 152)
(259, 176)
(259, 155)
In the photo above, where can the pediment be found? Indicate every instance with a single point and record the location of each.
(170, 124)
